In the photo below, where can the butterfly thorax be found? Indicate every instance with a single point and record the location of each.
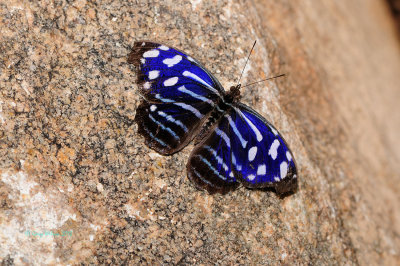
(233, 95)
(223, 105)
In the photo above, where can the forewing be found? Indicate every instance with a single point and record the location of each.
(167, 73)
(260, 156)
(178, 95)
(209, 165)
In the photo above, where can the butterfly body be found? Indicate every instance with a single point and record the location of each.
(223, 105)
(183, 101)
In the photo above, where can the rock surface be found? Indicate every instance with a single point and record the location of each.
(78, 185)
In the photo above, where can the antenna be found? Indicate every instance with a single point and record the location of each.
(274, 77)
(246, 62)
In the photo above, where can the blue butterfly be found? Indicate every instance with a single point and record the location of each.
(183, 101)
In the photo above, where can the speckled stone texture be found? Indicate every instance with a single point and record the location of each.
(73, 168)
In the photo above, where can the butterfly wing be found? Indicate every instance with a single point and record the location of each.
(252, 149)
(178, 95)
(162, 70)
(209, 165)
(168, 127)
(261, 157)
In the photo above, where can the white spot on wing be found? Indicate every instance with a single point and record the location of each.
(276, 178)
(273, 150)
(284, 169)
(154, 74)
(147, 85)
(163, 47)
(261, 170)
(153, 108)
(251, 177)
(273, 130)
(151, 53)
(171, 81)
(288, 156)
(252, 153)
(172, 61)
(143, 61)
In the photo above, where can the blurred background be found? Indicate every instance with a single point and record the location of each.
(395, 7)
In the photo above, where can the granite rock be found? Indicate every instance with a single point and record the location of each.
(78, 185)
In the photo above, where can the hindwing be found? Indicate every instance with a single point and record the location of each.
(246, 149)
(169, 127)
(210, 164)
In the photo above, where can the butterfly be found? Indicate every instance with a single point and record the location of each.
(183, 101)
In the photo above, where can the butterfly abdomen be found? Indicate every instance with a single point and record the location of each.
(219, 110)
(223, 106)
